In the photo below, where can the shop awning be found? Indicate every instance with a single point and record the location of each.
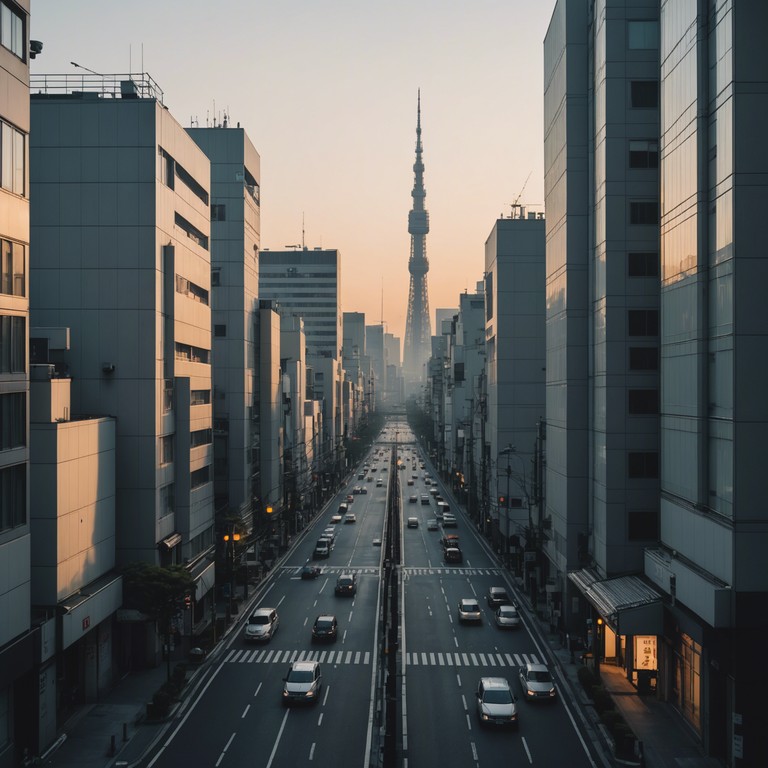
(171, 541)
(629, 604)
(204, 574)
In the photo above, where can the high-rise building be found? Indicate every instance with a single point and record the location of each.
(514, 344)
(655, 407)
(17, 638)
(417, 331)
(122, 231)
(235, 233)
(307, 283)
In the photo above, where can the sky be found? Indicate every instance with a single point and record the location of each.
(326, 90)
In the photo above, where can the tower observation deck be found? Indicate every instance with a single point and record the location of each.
(418, 330)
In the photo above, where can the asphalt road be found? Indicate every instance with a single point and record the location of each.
(236, 717)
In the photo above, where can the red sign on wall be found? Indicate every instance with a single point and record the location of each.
(86, 623)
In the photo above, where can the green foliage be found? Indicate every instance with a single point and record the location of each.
(155, 591)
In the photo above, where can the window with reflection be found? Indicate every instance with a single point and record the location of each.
(642, 35)
(643, 154)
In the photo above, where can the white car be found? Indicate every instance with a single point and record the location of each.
(262, 624)
(507, 617)
(536, 683)
(413, 522)
(303, 682)
(496, 702)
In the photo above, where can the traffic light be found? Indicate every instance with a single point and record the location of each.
(269, 510)
(503, 502)
(187, 601)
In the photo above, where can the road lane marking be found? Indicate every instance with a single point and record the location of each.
(349, 657)
(440, 659)
(465, 659)
(235, 657)
(474, 751)
(277, 740)
(458, 680)
(226, 747)
(327, 691)
(322, 656)
(349, 620)
(261, 655)
(280, 601)
(510, 660)
(312, 749)
(357, 657)
(344, 637)
(469, 722)
(320, 719)
(482, 659)
(258, 688)
(464, 701)
(245, 711)
(527, 751)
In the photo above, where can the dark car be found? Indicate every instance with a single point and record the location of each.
(310, 572)
(498, 596)
(452, 555)
(346, 584)
(325, 628)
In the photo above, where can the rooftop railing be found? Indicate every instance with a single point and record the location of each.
(130, 86)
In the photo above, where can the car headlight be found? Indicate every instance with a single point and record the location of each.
(309, 694)
(285, 693)
(483, 716)
(552, 692)
(530, 692)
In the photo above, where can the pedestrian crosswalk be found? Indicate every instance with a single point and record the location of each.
(457, 659)
(326, 570)
(412, 658)
(414, 571)
(262, 656)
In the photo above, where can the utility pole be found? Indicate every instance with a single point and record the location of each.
(483, 463)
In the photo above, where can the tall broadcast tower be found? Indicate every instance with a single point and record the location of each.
(418, 331)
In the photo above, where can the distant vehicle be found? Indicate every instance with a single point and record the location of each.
(346, 584)
(425, 499)
(469, 610)
(322, 549)
(350, 518)
(413, 522)
(303, 682)
(432, 525)
(310, 572)
(262, 624)
(449, 540)
(452, 555)
(449, 521)
(350, 498)
(325, 628)
(336, 519)
(364, 490)
(495, 702)
(357, 490)
(433, 490)
(412, 499)
(497, 596)
(379, 482)
(410, 482)
(507, 617)
(536, 683)
(376, 542)
(343, 508)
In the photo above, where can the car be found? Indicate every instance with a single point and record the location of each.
(425, 499)
(497, 596)
(376, 542)
(261, 626)
(350, 518)
(303, 683)
(369, 479)
(379, 482)
(358, 489)
(536, 683)
(496, 702)
(469, 610)
(346, 584)
(363, 490)
(427, 481)
(350, 498)
(336, 519)
(360, 475)
(507, 617)
(452, 555)
(310, 572)
(412, 499)
(433, 491)
(449, 540)
(449, 521)
(325, 628)
(410, 482)
(414, 476)
(432, 525)
(413, 522)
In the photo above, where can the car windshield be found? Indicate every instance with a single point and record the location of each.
(497, 696)
(499, 594)
(539, 677)
(507, 613)
(259, 620)
(300, 676)
(471, 607)
(323, 623)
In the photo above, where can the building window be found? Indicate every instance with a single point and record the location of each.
(13, 420)
(643, 264)
(13, 344)
(167, 500)
(215, 277)
(13, 279)
(252, 186)
(201, 437)
(643, 35)
(13, 496)
(219, 330)
(12, 156)
(489, 296)
(200, 477)
(12, 30)
(643, 322)
(190, 289)
(218, 212)
(190, 354)
(200, 397)
(643, 464)
(643, 525)
(643, 401)
(643, 358)
(166, 449)
(643, 154)
(167, 175)
(191, 231)
(644, 212)
(183, 175)
(644, 94)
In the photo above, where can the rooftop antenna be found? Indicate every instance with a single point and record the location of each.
(516, 205)
(382, 300)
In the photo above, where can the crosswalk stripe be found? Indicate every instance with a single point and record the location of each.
(465, 659)
(501, 660)
(424, 659)
(236, 656)
(357, 657)
(322, 656)
(482, 659)
(432, 659)
(527, 660)
(229, 656)
(349, 657)
(534, 659)
(293, 656)
(367, 657)
(247, 656)
(449, 659)
(474, 659)
(440, 659)
(509, 659)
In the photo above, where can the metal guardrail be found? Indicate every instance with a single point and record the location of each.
(117, 86)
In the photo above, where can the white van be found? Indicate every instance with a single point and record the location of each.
(322, 548)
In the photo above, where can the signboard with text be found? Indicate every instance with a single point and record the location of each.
(645, 652)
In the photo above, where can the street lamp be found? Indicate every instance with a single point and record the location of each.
(231, 538)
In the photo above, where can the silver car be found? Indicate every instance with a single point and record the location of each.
(496, 702)
(303, 682)
(262, 624)
(507, 617)
(469, 610)
(536, 683)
